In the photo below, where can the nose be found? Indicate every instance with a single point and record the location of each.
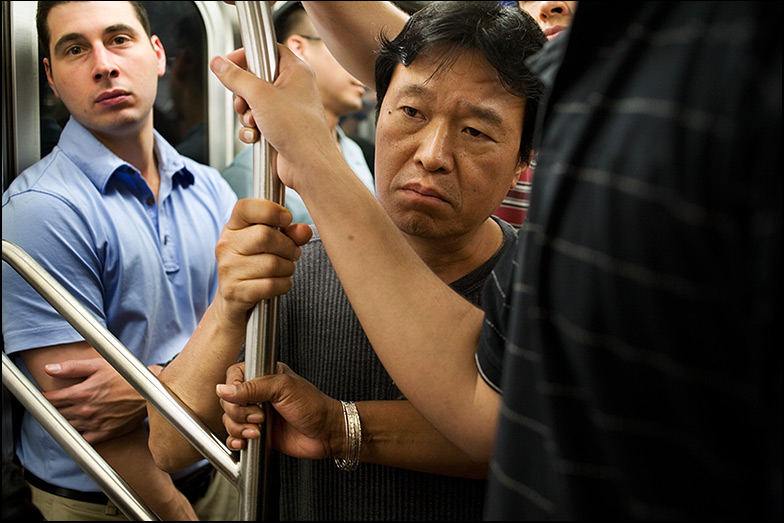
(548, 9)
(103, 63)
(435, 151)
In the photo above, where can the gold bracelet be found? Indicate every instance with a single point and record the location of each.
(353, 437)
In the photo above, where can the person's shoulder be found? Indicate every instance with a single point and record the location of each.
(508, 230)
(239, 173)
(243, 160)
(45, 181)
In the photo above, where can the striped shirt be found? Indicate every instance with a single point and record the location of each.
(634, 328)
(515, 205)
(321, 339)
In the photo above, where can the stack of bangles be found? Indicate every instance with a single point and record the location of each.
(353, 437)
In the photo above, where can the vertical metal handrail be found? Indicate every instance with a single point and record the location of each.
(126, 364)
(258, 39)
(81, 452)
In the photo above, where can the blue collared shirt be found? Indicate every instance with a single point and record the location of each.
(145, 267)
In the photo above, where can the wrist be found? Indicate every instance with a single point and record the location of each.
(348, 460)
(227, 319)
(336, 432)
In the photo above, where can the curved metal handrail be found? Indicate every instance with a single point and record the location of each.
(126, 364)
(258, 36)
(81, 452)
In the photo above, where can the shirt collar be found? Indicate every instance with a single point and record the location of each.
(99, 164)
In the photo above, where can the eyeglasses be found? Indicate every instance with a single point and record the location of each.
(314, 38)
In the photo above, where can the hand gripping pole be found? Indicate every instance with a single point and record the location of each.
(258, 39)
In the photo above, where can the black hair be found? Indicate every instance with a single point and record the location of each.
(45, 37)
(286, 19)
(506, 36)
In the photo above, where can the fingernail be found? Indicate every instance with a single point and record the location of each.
(250, 433)
(248, 135)
(219, 64)
(53, 367)
(226, 389)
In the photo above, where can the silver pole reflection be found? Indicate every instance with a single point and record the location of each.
(258, 39)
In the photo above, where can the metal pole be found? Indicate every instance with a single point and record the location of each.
(258, 39)
(77, 447)
(126, 364)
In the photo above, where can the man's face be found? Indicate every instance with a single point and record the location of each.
(446, 146)
(341, 93)
(552, 17)
(103, 66)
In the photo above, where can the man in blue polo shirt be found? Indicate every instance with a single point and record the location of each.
(129, 227)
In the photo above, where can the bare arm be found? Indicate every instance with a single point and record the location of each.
(399, 436)
(100, 403)
(351, 29)
(194, 373)
(424, 333)
(199, 364)
(131, 458)
(127, 454)
(309, 424)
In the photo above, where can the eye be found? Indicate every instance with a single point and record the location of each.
(120, 39)
(74, 50)
(475, 133)
(410, 111)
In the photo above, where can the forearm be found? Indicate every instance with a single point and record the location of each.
(192, 377)
(396, 435)
(131, 458)
(425, 334)
(351, 30)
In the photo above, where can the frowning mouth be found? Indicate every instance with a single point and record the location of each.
(422, 193)
(552, 32)
(111, 98)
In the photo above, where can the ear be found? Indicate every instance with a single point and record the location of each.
(157, 46)
(48, 69)
(522, 165)
(518, 172)
(298, 46)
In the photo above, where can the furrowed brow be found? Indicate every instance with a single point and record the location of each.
(120, 28)
(65, 40)
(489, 115)
(69, 38)
(413, 90)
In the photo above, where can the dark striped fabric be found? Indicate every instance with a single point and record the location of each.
(321, 339)
(634, 330)
(515, 205)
